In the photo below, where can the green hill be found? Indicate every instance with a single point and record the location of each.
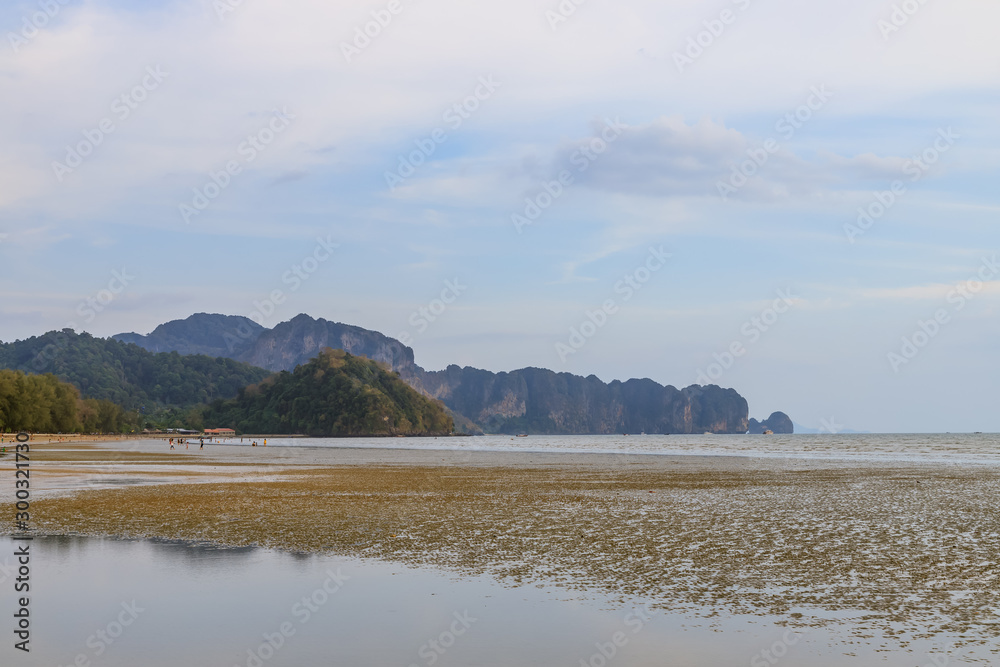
(126, 374)
(334, 394)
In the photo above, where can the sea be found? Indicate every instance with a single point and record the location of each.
(962, 448)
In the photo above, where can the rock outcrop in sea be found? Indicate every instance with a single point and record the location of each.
(778, 422)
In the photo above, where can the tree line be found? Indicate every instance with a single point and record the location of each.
(45, 404)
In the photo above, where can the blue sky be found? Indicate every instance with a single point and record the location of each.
(600, 99)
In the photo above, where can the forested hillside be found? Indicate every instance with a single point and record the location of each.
(335, 394)
(127, 374)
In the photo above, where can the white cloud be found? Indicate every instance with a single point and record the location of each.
(225, 75)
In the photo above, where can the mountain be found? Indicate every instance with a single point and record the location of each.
(538, 400)
(282, 348)
(213, 335)
(295, 342)
(334, 394)
(778, 422)
(128, 375)
(529, 399)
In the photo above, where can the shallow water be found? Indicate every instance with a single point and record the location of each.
(198, 605)
(929, 448)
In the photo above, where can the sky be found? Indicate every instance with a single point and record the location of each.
(795, 200)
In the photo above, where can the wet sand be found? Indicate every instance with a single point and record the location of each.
(890, 553)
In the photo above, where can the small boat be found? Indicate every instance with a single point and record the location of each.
(522, 435)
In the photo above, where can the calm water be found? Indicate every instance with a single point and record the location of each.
(949, 448)
(188, 605)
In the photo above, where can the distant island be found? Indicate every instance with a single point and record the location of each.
(199, 372)
(778, 422)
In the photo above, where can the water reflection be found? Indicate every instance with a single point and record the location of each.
(159, 602)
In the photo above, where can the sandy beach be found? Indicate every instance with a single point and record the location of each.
(893, 553)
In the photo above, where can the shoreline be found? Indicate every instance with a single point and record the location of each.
(748, 535)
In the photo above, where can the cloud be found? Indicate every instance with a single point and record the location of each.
(663, 157)
(670, 157)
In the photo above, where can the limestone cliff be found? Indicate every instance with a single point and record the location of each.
(533, 400)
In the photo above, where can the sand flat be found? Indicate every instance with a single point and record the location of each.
(898, 551)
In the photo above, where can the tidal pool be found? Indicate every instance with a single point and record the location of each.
(151, 603)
